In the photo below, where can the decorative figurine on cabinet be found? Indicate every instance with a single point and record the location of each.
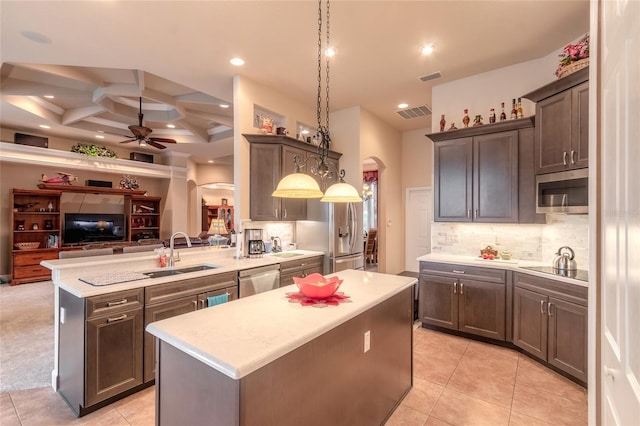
(465, 119)
(478, 121)
(443, 122)
(453, 126)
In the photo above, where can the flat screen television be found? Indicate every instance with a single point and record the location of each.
(93, 227)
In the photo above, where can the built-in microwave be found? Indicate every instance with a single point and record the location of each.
(563, 192)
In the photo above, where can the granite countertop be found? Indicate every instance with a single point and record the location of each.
(517, 265)
(66, 273)
(234, 339)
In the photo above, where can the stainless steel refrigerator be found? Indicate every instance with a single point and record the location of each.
(336, 229)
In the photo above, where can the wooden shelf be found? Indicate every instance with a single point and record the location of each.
(501, 126)
(92, 189)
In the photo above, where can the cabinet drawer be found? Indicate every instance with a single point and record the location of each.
(294, 265)
(189, 287)
(31, 272)
(108, 304)
(33, 258)
(564, 291)
(464, 271)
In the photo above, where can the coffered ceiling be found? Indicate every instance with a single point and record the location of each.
(97, 57)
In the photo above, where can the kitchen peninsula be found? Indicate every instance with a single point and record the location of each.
(267, 359)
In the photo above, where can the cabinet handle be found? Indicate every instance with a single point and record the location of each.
(573, 157)
(120, 302)
(284, 213)
(542, 308)
(475, 213)
(457, 271)
(455, 287)
(195, 305)
(564, 158)
(120, 318)
(468, 212)
(610, 372)
(276, 215)
(461, 288)
(549, 305)
(202, 303)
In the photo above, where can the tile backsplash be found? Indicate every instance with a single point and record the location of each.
(284, 230)
(535, 242)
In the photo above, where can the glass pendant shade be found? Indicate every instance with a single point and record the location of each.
(297, 185)
(341, 192)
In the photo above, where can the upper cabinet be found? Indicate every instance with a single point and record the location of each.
(271, 159)
(562, 122)
(485, 173)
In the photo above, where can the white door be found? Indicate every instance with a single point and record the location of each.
(418, 218)
(619, 209)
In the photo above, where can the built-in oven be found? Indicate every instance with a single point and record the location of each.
(258, 280)
(563, 192)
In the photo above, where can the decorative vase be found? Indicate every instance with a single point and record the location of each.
(465, 119)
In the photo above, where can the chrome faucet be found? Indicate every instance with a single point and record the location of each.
(171, 243)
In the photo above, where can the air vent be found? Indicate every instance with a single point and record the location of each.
(415, 112)
(431, 76)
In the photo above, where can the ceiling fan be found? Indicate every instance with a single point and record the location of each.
(141, 134)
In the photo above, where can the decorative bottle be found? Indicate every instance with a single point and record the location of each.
(443, 122)
(520, 112)
(465, 119)
(492, 115)
(514, 110)
(503, 115)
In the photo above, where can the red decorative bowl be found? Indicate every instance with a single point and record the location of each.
(316, 286)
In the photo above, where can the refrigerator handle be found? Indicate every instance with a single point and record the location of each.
(352, 224)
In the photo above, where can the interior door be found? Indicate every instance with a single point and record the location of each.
(619, 209)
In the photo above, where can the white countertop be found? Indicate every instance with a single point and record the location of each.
(66, 273)
(236, 339)
(517, 265)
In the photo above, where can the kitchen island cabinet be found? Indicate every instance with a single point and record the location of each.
(485, 174)
(463, 298)
(264, 360)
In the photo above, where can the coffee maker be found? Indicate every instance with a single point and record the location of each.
(253, 244)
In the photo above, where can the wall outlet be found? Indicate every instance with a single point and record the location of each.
(367, 341)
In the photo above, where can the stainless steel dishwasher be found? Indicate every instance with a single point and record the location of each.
(258, 280)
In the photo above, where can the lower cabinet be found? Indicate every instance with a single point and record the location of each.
(299, 268)
(89, 374)
(180, 297)
(550, 322)
(463, 298)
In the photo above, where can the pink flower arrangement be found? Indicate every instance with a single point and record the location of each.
(573, 53)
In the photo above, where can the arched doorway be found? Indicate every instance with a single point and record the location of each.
(370, 217)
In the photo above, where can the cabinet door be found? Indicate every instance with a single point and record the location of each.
(579, 156)
(265, 174)
(495, 177)
(530, 322)
(568, 337)
(553, 133)
(453, 174)
(438, 301)
(113, 371)
(481, 307)
(159, 312)
(291, 208)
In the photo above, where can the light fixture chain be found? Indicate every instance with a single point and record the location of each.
(328, 46)
(319, 100)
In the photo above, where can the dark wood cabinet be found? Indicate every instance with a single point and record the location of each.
(299, 268)
(271, 158)
(562, 123)
(211, 212)
(550, 322)
(36, 233)
(463, 298)
(485, 176)
(143, 217)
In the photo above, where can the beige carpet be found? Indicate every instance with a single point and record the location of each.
(26, 335)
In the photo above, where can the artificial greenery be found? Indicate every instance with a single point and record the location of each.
(93, 150)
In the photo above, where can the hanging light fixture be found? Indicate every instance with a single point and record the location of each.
(301, 185)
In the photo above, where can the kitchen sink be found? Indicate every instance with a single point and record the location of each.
(286, 254)
(177, 271)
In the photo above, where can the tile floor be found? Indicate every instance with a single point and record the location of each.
(457, 381)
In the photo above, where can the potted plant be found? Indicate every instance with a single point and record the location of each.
(93, 150)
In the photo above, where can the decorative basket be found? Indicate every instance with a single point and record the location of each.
(488, 250)
(27, 246)
(573, 67)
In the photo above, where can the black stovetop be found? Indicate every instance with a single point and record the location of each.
(578, 275)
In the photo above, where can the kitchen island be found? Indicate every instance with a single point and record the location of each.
(268, 359)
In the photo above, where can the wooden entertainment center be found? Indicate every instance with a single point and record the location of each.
(36, 222)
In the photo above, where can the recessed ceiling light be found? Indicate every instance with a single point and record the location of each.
(403, 105)
(100, 136)
(171, 126)
(237, 61)
(210, 161)
(427, 49)
(44, 126)
(49, 96)
(224, 106)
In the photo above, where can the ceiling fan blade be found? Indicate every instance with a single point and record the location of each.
(163, 140)
(127, 141)
(156, 145)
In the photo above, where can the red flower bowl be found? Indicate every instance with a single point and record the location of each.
(317, 286)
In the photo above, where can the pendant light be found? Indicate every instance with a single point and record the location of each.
(301, 185)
